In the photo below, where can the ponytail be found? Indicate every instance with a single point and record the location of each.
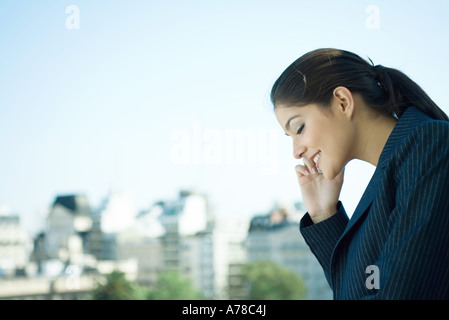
(403, 92)
(313, 77)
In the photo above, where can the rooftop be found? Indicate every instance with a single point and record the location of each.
(76, 203)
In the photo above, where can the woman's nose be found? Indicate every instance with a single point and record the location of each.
(298, 150)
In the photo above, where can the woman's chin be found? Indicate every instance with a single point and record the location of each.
(330, 174)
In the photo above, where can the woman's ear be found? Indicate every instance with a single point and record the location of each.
(343, 102)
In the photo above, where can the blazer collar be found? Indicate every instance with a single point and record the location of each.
(409, 119)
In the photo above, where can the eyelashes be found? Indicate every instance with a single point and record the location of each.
(300, 129)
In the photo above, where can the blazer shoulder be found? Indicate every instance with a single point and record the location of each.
(431, 132)
(427, 145)
(429, 124)
(425, 140)
(415, 121)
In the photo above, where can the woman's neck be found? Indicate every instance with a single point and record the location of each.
(374, 131)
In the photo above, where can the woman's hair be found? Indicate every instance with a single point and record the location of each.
(313, 77)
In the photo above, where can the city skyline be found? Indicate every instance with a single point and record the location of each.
(79, 247)
(151, 98)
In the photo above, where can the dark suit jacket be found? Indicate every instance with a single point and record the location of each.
(401, 224)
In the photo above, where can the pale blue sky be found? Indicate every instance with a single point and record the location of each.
(90, 109)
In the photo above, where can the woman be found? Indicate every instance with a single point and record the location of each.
(337, 107)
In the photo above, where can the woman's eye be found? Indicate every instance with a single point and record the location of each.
(300, 129)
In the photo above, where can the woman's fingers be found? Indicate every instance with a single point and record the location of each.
(302, 170)
(310, 165)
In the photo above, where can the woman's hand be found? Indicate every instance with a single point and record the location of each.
(320, 195)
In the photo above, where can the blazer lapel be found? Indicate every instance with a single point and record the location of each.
(361, 210)
(366, 200)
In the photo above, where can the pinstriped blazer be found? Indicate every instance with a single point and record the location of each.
(401, 224)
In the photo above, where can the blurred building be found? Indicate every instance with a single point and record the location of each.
(145, 251)
(67, 226)
(77, 243)
(173, 235)
(116, 214)
(182, 234)
(15, 247)
(229, 256)
(176, 234)
(197, 261)
(275, 236)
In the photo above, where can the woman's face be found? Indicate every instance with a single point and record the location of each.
(323, 135)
